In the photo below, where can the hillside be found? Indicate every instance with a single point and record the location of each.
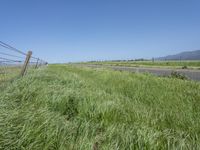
(66, 107)
(189, 55)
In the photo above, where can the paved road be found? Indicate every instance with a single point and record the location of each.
(191, 74)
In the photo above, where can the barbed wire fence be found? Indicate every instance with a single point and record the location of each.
(15, 63)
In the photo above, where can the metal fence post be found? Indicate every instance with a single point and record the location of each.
(24, 68)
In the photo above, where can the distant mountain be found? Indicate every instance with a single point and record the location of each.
(189, 55)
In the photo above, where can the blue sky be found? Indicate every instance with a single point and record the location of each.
(81, 30)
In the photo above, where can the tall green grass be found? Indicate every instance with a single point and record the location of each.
(9, 73)
(66, 107)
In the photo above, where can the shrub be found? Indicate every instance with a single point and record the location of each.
(184, 67)
(178, 75)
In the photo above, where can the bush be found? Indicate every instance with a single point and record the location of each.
(184, 67)
(178, 75)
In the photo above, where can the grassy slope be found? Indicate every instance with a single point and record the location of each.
(65, 107)
(162, 64)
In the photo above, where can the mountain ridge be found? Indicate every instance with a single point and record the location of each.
(187, 55)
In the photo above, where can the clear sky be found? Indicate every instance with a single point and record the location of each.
(80, 30)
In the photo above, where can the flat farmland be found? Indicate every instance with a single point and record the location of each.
(155, 64)
(190, 74)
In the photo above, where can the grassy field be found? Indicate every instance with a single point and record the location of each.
(159, 64)
(11, 72)
(7, 73)
(65, 107)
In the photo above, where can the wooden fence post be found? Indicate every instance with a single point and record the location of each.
(36, 66)
(24, 68)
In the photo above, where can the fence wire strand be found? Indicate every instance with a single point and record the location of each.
(12, 61)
